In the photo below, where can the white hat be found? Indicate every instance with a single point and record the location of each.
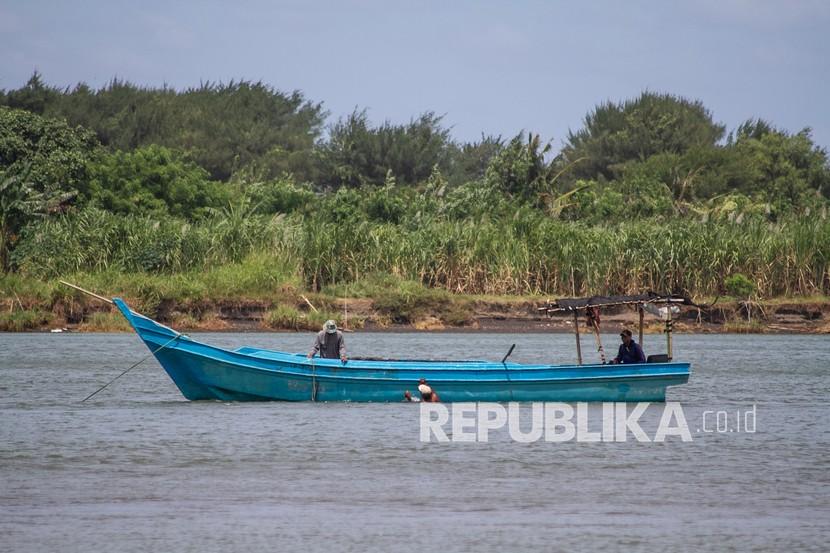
(330, 327)
(424, 389)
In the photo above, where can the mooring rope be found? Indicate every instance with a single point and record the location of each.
(174, 338)
(313, 382)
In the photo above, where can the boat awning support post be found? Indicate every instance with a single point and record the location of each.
(639, 301)
(640, 310)
(578, 345)
(668, 330)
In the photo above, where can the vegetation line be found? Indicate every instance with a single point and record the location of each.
(233, 192)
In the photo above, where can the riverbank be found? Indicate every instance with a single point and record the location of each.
(404, 306)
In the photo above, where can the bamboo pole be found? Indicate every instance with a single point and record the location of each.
(640, 309)
(578, 345)
(311, 305)
(87, 292)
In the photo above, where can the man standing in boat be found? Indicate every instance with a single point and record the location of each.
(329, 343)
(630, 351)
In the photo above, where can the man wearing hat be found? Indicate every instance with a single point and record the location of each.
(630, 351)
(329, 343)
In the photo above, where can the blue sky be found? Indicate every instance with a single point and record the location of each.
(489, 67)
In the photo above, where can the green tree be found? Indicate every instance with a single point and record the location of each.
(469, 161)
(54, 154)
(223, 127)
(35, 96)
(20, 202)
(616, 133)
(279, 196)
(358, 154)
(152, 180)
(783, 169)
(520, 169)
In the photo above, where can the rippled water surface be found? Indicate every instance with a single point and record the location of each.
(138, 468)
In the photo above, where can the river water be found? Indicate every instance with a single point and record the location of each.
(138, 468)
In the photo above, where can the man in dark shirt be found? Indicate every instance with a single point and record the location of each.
(329, 343)
(630, 351)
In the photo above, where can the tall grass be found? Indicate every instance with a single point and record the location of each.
(95, 240)
(524, 253)
(546, 256)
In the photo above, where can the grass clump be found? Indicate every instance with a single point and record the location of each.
(744, 327)
(404, 301)
(25, 289)
(457, 314)
(288, 317)
(284, 317)
(101, 321)
(410, 301)
(259, 275)
(314, 320)
(19, 321)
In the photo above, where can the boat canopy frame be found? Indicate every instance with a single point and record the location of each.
(590, 306)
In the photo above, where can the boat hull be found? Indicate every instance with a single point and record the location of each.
(204, 372)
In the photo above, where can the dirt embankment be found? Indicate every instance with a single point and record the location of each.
(458, 314)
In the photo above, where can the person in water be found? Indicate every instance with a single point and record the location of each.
(428, 395)
(329, 343)
(630, 351)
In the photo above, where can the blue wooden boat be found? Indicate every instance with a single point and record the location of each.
(204, 372)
